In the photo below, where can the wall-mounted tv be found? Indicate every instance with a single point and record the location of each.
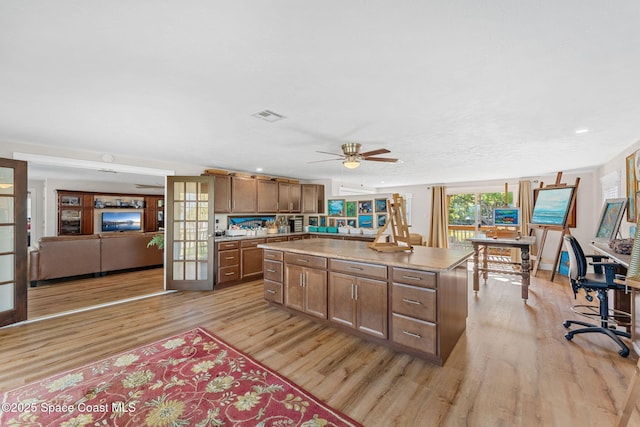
(506, 217)
(121, 221)
(610, 219)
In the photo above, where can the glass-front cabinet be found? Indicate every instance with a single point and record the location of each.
(74, 213)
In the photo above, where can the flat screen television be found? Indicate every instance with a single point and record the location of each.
(610, 219)
(121, 221)
(506, 217)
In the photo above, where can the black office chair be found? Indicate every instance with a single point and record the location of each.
(601, 284)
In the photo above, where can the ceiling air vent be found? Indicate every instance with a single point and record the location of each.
(268, 116)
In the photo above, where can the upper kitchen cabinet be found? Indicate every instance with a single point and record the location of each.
(222, 194)
(267, 196)
(289, 197)
(244, 192)
(312, 198)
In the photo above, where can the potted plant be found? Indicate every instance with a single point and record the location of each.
(157, 240)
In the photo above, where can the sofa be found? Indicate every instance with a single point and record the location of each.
(67, 256)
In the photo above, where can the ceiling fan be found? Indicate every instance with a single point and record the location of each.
(351, 155)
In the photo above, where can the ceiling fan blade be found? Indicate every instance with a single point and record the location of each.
(333, 154)
(149, 186)
(327, 160)
(375, 152)
(381, 159)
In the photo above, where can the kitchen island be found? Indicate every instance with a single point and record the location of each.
(414, 302)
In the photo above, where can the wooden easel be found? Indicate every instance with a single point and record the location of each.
(563, 229)
(400, 230)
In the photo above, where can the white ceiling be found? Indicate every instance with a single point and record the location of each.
(459, 90)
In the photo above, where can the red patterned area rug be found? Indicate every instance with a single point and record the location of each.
(191, 379)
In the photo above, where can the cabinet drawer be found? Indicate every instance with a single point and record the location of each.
(358, 268)
(228, 274)
(228, 245)
(273, 271)
(414, 333)
(273, 255)
(414, 301)
(425, 279)
(273, 291)
(306, 260)
(276, 239)
(228, 258)
(251, 243)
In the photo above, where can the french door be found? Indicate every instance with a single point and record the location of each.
(13, 241)
(189, 225)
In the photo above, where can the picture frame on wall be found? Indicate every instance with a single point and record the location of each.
(341, 222)
(381, 205)
(323, 221)
(335, 207)
(313, 221)
(632, 187)
(351, 223)
(381, 220)
(365, 206)
(352, 209)
(365, 221)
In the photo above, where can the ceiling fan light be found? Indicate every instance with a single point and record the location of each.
(351, 163)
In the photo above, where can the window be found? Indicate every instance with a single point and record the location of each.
(475, 209)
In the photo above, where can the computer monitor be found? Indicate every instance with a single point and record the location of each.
(610, 219)
(506, 217)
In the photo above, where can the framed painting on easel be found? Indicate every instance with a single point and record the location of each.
(632, 187)
(552, 206)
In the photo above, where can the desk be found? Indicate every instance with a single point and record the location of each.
(522, 243)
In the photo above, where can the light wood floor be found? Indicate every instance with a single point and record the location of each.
(512, 367)
(53, 297)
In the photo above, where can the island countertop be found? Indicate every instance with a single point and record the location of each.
(422, 258)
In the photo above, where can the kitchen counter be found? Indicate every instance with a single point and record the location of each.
(226, 238)
(422, 258)
(414, 302)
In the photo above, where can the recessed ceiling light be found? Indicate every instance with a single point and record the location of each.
(582, 131)
(258, 169)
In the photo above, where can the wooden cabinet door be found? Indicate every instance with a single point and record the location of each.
(284, 204)
(267, 196)
(315, 292)
(293, 289)
(309, 202)
(244, 195)
(371, 298)
(342, 307)
(251, 262)
(294, 198)
(222, 194)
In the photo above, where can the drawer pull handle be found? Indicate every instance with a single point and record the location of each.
(411, 301)
(302, 260)
(230, 257)
(411, 334)
(229, 274)
(351, 267)
(271, 271)
(270, 291)
(412, 277)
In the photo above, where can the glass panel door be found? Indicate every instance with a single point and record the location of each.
(13, 241)
(189, 233)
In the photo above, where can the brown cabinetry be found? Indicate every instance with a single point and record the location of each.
(251, 257)
(75, 213)
(414, 309)
(273, 276)
(222, 194)
(312, 198)
(267, 196)
(359, 302)
(153, 213)
(228, 262)
(244, 195)
(305, 281)
(288, 197)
